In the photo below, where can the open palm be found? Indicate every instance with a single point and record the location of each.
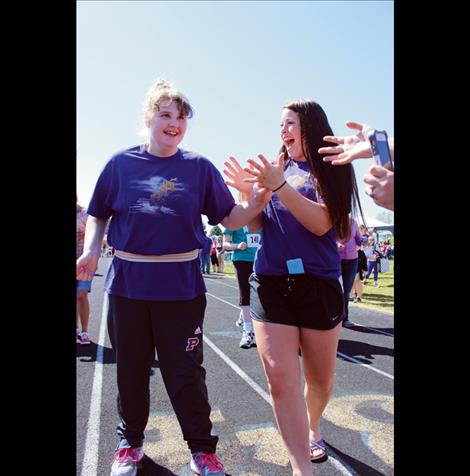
(236, 176)
(349, 148)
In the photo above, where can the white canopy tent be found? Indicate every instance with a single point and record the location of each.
(380, 226)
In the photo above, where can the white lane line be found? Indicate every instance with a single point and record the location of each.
(225, 302)
(352, 359)
(343, 468)
(224, 284)
(238, 370)
(90, 458)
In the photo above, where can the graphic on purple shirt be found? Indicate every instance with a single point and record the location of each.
(285, 238)
(156, 205)
(161, 190)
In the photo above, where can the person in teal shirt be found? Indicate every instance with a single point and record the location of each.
(243, 244)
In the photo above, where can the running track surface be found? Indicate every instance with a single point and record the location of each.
(357, 424)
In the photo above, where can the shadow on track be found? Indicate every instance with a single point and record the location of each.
(87, 353)
(371, 330)
(362, 351)
(360, 468)
(150, 468)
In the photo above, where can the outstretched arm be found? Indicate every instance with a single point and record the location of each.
(229, 246)
(247, 212)
(351, 147)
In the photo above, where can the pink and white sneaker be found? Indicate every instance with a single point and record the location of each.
(84, 338)
(126, 461)
(206, 464)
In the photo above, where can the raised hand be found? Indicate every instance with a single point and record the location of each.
(237, 176)
(349, 148)
(267, 174)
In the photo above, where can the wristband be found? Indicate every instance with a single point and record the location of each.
(280, 186)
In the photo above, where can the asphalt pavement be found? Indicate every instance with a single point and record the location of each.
(357, 424)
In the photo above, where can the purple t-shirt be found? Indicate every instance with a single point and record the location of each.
(355, 239)
(156, 205)
(285, 238)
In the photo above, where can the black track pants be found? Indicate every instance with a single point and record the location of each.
(174, 328)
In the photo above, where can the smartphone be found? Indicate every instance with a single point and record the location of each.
(380, 149)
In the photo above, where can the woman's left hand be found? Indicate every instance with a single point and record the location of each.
(270, 175)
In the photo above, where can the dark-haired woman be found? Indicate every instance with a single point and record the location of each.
(296, 295)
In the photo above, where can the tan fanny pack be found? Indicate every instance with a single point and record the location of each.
(169, 258)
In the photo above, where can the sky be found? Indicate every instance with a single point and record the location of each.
(238, 63)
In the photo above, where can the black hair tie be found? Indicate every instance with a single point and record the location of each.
(280, 186)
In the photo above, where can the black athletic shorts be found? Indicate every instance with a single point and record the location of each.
(300, 300)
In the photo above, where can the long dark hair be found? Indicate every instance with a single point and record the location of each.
(337, 183)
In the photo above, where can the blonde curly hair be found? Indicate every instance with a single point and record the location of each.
(162, 91)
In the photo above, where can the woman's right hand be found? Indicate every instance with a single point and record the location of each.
(87, 264)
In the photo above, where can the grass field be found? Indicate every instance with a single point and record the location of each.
(228, 268)
(381, 298)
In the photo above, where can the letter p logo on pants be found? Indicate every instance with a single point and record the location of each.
(192, 343)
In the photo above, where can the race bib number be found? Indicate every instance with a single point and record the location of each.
(253, 240)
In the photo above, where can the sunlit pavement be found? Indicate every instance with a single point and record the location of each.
(357, 424)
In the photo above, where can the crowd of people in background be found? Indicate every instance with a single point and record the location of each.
(381, 249)
(360, 254)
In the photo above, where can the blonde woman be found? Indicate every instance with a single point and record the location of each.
(155, 193)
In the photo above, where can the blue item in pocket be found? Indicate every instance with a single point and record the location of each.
(295, 266)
